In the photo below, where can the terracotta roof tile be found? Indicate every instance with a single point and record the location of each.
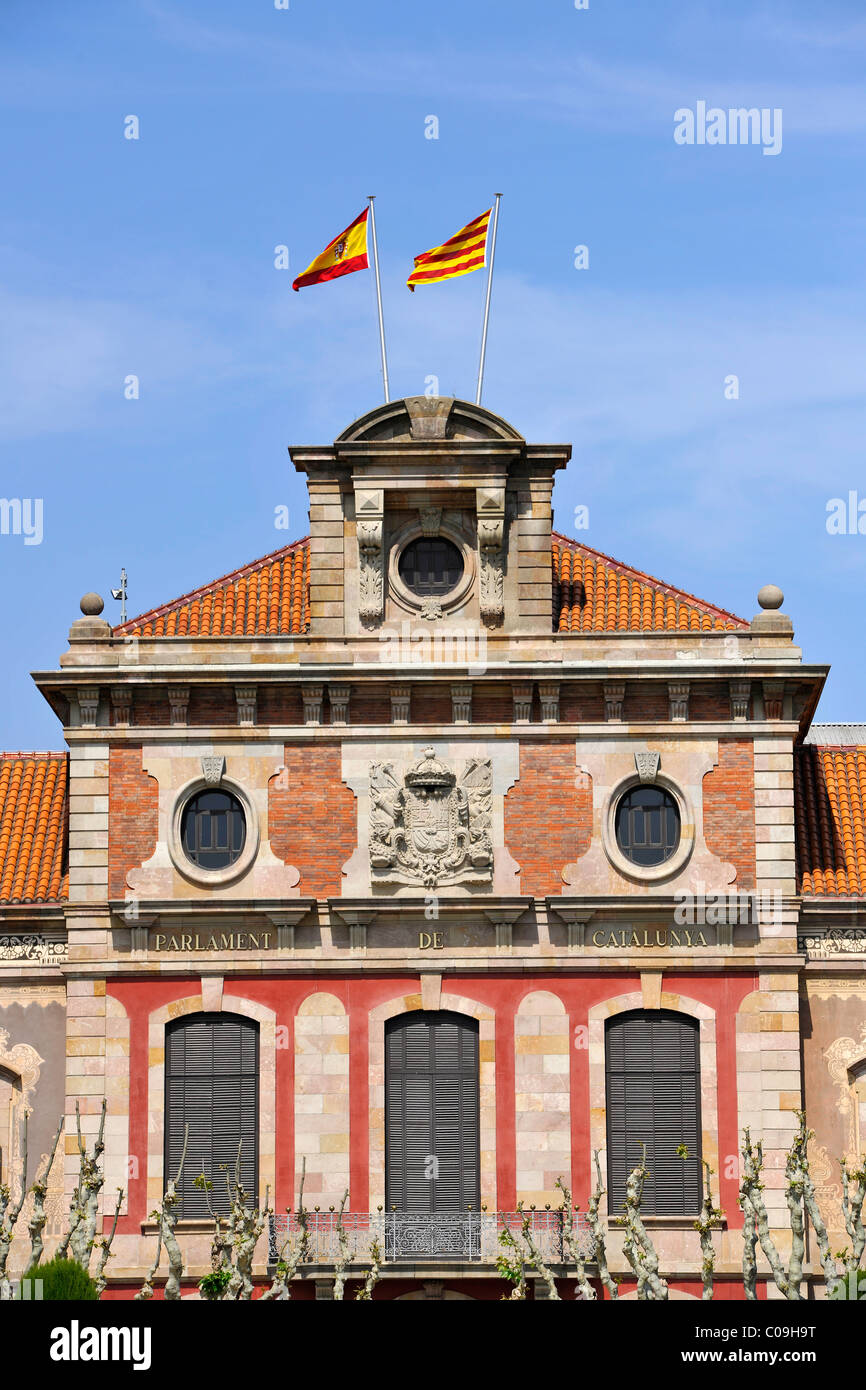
(594, 593)
(830, 815)
(591, 593)
(33, 816)
(269, 597)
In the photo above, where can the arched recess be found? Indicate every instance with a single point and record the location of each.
(20, 1066)
(322, 1098)
(454, 1003)
(179, 1008)
(542, 1098)
(10, 1128)
(677, 1003)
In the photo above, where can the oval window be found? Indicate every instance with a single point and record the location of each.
(431, 567)
(213, 829)
(647, 826)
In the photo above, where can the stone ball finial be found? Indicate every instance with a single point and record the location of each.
(92, 605)
(771, 596)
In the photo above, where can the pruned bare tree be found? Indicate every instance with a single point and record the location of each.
(374, 1274)
(84, 1207)
(36, 1225)
(104, 1244)
(166, 1218)
(710, 1219)
(146, 1291)
(527, 1252)
(599, 1244)
(751, 1199)
(637, 1245)
(571, 1246)
(293, 1254)
(344, 1258)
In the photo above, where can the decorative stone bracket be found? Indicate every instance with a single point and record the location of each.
(614, 694)
(246, 698)
(740, 691)
(678, 701)
(121, 704)
(338, 696)
(461, 704)
(401, 698)
(178, 704)
(312, 696)
(88, 705)
(521, 695)
(490, 507)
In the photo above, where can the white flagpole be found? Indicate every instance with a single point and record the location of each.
(371, 200)
(487, 300)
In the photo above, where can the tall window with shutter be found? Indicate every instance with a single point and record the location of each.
(654, 1098)
(432, 1113)
(212, 1085)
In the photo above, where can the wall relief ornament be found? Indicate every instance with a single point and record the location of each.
(840, 1056)
(36, 947)
(431, 828)
(370, 525)
(836, 941)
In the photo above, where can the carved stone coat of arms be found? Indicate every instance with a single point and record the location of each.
(431, 828)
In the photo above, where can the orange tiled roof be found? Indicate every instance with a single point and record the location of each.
(269, 597)
(830, 813)
(33, 827)
(593, 593)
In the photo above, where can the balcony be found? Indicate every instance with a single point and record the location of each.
(444, 1237)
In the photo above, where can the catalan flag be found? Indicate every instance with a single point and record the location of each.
(465, 251)
(345, 254)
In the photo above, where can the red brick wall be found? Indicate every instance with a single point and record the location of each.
(729, 808)
(312, 817)
(548, 817)
(133, 819)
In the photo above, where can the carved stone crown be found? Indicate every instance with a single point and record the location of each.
(430, 772)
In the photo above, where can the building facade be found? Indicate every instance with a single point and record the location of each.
(434, 853)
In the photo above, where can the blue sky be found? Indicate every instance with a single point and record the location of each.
(261, 127)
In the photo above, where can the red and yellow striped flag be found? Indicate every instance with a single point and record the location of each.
(346, 253)
(465, 251)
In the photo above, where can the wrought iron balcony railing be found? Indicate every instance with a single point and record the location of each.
(410, 1236)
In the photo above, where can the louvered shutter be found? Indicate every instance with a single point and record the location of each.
(211, 1085)
(432, 1112)
(653, 1098)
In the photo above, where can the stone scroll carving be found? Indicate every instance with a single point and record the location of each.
(431, 827)
(490, 503)
(370, 521)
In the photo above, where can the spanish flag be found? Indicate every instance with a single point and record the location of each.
(345, 254)
(465, 251)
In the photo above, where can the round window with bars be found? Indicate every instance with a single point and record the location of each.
(647, 826)
(213, 829)
(431, 568)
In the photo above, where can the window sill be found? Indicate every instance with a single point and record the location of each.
(193, 1226)
(668, 1223)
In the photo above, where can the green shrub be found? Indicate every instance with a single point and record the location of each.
(213, 1286)
(63, 1281)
